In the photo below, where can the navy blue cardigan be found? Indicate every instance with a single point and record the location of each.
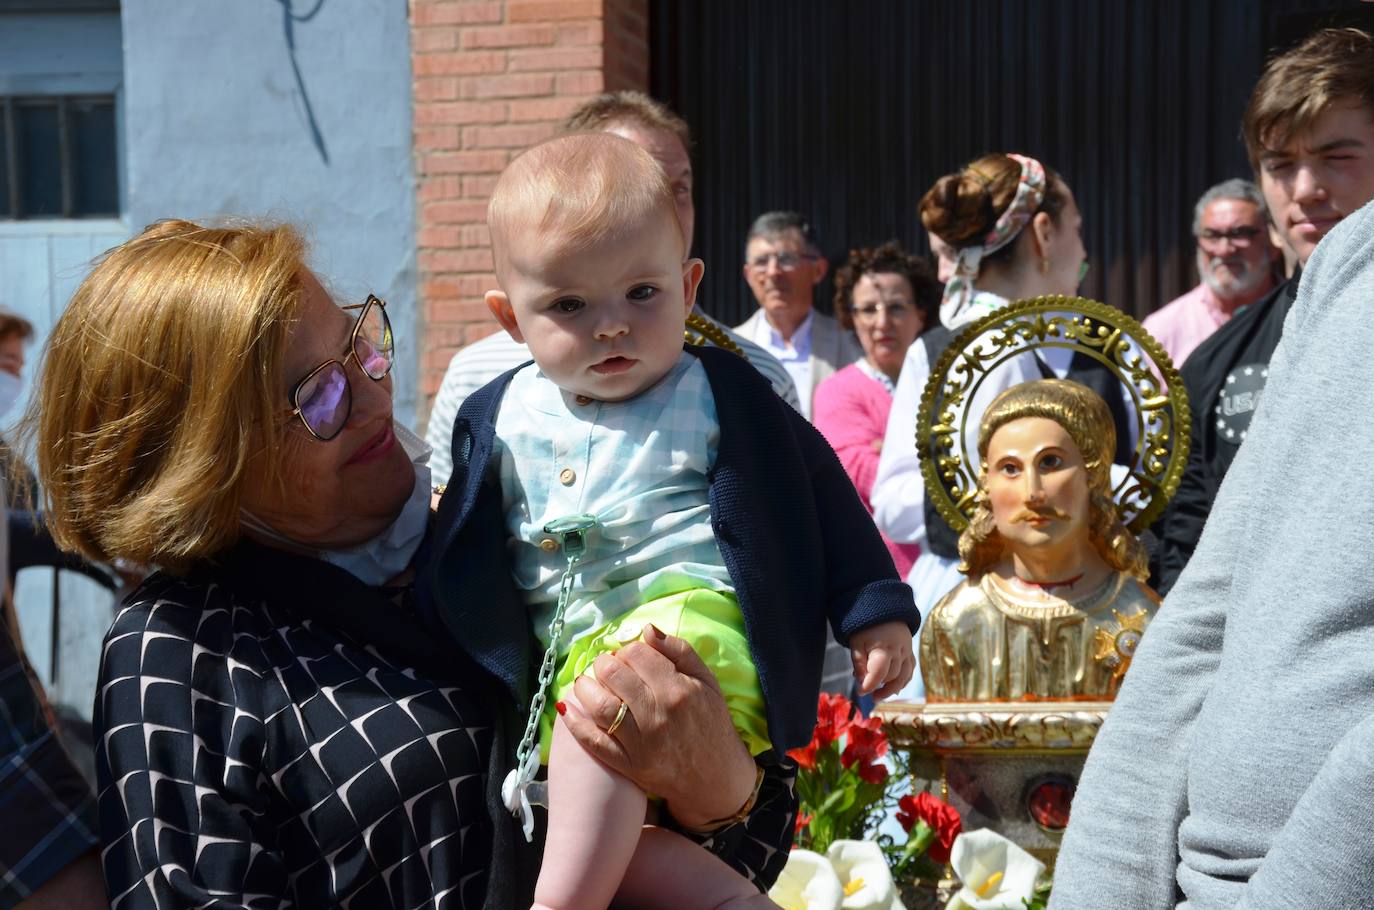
(800, 547)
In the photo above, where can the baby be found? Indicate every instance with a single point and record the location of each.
(665, 485)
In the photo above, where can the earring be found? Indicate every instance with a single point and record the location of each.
(1045, 266)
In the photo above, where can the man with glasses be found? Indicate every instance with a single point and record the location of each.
(1235, 261)
(783, 266)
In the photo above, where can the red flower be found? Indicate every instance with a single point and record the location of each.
(864, 743)
(805, 757)
(802, 821)
(938, 815)
(832, 718)
(873, 774)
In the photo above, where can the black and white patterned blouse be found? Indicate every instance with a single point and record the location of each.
(253, 752)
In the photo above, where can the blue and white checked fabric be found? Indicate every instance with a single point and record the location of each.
(639, 466)
(48, 808)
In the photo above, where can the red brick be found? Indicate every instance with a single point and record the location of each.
(576, 33)
(433, 88)
(460, 311)
(429, 387)
(478, 330)
(456, 260)
(583, 83)
(432, 13)
(453, 213)
(439, 237)
(477, 235)
(572, 58)
(460, 112)
(428, 138)
(479, 186)
(506, 36)
(511, 85)
(488, 162)
(546, 10)
(439, 289)
(459, 63)
(428, 40)
(506, 137)
(433, 188)
(526, 110)
(475, 285)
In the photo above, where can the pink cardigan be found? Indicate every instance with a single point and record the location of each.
(850, 409)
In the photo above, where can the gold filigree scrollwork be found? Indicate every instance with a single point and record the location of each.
(1104, 333)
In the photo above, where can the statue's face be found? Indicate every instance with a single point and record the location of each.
(1037, 485)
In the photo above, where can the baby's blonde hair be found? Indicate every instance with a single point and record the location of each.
(575, 189)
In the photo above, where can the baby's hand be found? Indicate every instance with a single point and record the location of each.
(882, 657)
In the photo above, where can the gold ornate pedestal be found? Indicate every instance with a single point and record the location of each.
(1008, 766)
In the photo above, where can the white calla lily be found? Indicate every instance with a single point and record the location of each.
(864, 875)
(996, 874)
(807, 882)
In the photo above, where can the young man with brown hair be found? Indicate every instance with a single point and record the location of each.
(1309, 130)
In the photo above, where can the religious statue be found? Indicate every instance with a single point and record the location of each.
(1054, 603)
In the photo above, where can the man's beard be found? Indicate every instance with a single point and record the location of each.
(1248, 277)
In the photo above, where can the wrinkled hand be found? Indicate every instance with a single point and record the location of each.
(677, 741)
(882, 658)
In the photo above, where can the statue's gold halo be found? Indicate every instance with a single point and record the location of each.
(1109, 336)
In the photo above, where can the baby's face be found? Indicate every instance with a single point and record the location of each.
(605, 320)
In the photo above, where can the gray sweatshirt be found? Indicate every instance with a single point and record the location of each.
(1237, 768)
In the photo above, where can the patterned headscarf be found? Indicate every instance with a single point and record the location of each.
(1030, 192)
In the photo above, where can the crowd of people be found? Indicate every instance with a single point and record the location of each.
(624, 561)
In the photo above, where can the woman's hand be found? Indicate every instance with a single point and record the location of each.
(676, 740)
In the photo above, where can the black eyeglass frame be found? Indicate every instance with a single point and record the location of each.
(352, 352)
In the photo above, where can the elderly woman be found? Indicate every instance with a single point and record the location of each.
(274, 722)
(887, 297)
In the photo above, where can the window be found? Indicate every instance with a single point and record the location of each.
(57, 157)
(61, 77)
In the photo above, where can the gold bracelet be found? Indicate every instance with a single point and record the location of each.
(713, 826)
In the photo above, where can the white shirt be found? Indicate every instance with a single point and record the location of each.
(794, 353)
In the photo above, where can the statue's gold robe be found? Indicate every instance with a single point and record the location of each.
(986, 642)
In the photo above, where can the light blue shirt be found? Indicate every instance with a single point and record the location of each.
(641, 466)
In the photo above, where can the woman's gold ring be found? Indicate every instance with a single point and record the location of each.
(619, 719)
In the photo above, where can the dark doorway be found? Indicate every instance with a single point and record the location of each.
(849, 111)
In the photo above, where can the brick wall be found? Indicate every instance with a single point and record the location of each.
(490, 79)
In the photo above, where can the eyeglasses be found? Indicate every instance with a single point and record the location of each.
(1241, 236)
(895, 309)
(786, 261)
(324, 399)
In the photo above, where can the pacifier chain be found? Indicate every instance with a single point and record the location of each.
(519, 791)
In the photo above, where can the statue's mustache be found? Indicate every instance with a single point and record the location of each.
(1040, 514)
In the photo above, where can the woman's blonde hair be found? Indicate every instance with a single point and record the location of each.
(1088, 421)
(161, 383)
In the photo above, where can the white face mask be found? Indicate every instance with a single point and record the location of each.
(387, 555)
(11, 387)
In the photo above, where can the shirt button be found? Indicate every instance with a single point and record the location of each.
(567, 476)
(582, 400)
(548, 545)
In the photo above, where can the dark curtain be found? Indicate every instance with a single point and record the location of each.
(848, 111)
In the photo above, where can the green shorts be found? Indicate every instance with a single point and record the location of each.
(712, 623)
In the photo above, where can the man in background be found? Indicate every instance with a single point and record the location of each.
(783, 265)
(1235, 262)
(1309, 130)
